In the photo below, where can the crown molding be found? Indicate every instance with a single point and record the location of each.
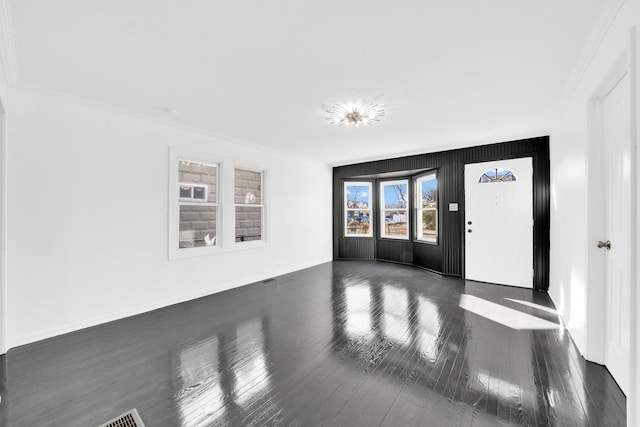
(607, 15)
(8, 67)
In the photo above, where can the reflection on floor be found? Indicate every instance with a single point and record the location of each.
(344, 343)
(504, 315)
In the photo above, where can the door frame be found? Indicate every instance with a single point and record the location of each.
(3, 227)
(534, 190)
(541, 214)
(596, 214)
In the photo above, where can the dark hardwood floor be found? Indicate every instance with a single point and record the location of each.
(344, 343)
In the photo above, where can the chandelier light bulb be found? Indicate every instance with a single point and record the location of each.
(354, 113)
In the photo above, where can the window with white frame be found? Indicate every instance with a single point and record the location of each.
(249, 195)
(426, 202)
(394, 209)
(357, 209)
(197, 203)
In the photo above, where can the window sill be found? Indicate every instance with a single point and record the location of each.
(194, 252)
(215, 250)
(394, 239)
(426, 242)
(241, 246)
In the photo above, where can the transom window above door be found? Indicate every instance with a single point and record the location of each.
(496, 175)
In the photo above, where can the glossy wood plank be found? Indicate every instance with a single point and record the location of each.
(344, 343)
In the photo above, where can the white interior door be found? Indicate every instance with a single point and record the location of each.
(499, 222)
(617, 243)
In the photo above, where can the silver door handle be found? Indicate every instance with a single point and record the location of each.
(606, 244)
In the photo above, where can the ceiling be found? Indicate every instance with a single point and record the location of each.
(450, 73)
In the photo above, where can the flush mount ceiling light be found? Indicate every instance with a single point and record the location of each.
(354, 113)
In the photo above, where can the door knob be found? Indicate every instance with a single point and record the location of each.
(606, 244)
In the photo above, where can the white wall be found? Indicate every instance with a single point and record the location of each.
(88, 217)
(576, 287)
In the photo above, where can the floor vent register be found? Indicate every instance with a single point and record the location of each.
(128, 419)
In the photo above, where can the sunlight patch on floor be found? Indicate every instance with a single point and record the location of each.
(505, 316)
(533, 305)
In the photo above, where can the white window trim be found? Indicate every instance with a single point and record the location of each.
(369, 185)
(174, 204)
(383, 210)
(225, 223)
(417, 188)
(263, 196)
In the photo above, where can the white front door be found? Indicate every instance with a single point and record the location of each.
(499, 222)
(617, 144)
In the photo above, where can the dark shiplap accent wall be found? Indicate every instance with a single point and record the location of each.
(447, 257)
(357, 248)
(393, 250)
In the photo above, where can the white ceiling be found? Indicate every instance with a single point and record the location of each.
(448, 73)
